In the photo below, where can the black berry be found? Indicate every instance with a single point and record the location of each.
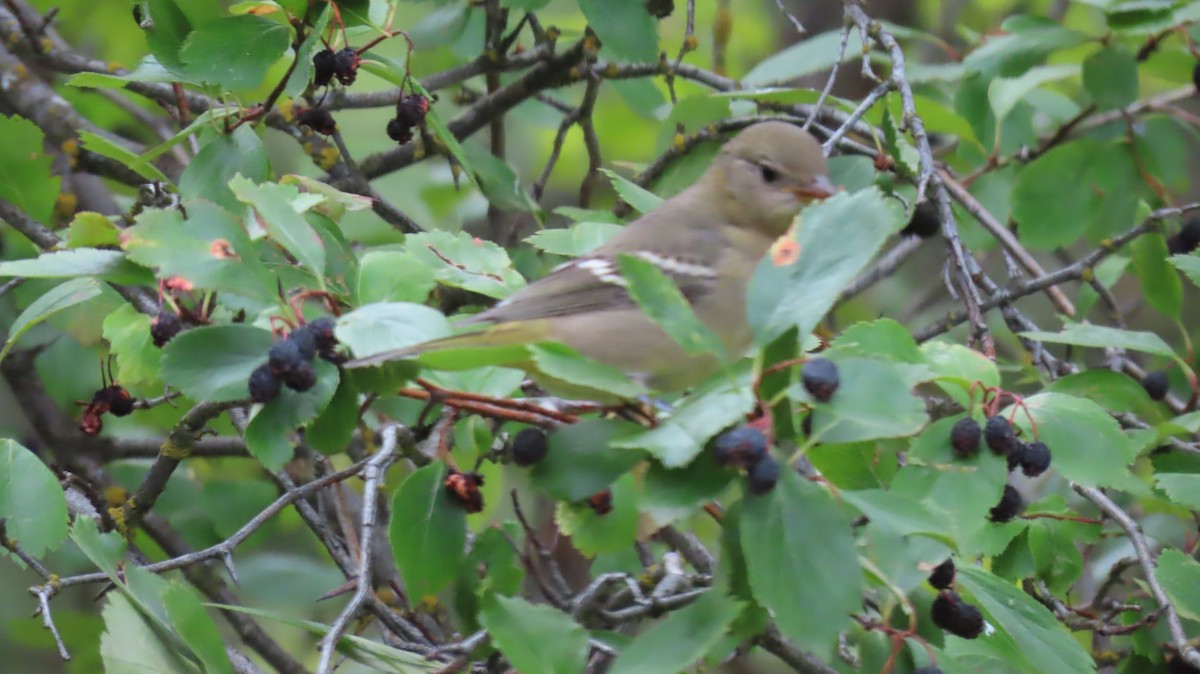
(999, 436)
(660, 9)
(762, 476)
(322, 330)
(164, 327)
(942, 576)
(820, 378)
(120, 403)
(317, 119)
(1156, 384)
(301, 378)
(305, 340)
(529, 446)
(1010, 505)
(284, 357)
(411, 109)
(398, 131)
(1189, 235)
(1178, 665)
(1035, 458)
(956, 616)
(264, 385)
(964, 437)
(924, 222)
(323, 67)
(1196, 77)
(743, 447)
(345, 66)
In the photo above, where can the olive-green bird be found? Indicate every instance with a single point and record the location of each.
(708, 239)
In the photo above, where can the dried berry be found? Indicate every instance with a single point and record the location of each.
(398, 131)
(529, 446)
(164, 327)
(117, 399)
(264, 385)
(820, 378)
(464, 487)
(942, 576)
(964, 437)
(956, 616)
(411, 109)
(323, 67)
(742, 447)
(1011, 504)
(1000, 436)
(601, 502)
(345, 65)
(317, 119)
(762, 477)
(1035, 458)
(301, 378)
(924, 222)
(90, 422)
(1157, 384)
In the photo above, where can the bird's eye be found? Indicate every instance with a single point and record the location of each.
(769, 174)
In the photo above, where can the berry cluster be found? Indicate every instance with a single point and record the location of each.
(949, 611)
(1033, 458)
(1187, 239)
(464, 487)
(111, 398)
(410, 111)
(529, 446)
(317, 119)
(164, 327)
(1157, 384)
(343, 65)
(746, 447)
(290, 360)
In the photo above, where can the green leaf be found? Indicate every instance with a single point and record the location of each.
(1179, 575)
(107, 148)
(1182, 488)
(331, 431)
(26, 179)
(196, 627)
(376, 328)
(132, 644)
(427, 532)
(463, 261)
(1160, 283)
(883, 338)
(214, 362)
(1041, 644)
(302, 75)
(795, 532)
(58, 298)
(874, 400)
(626, 29)
(831, 254)
(499, 182)
(269, 433)
(536, 639)
(897, 513)
(274, 206)
(584, 458)
(128, 333)
(393, 276)
(1049, 212)
(680, 639)
(580, 238)
(570, 371)
(594, 534)
(679, 438)
(660, 299)
(1188, 264)
(33, 504)
(808, 56)
(1087, 443)
(1102, 336)
(235, 52)
(1111, 77)
(92, 230)
(68, 264)
(222, 158)
(1025, 45)
(167, 30)
(672, 494)
(641, 199)
(1114, 391)
(1004, 94)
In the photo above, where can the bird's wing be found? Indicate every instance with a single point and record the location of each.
(591, 284)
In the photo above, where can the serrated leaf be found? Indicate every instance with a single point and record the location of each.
(58, 298)
(1102, 336)
(680, 639)
(1111, 77)
(222, 158)
(376, 328)
(26, 179)
(660, 299)
(68, 264)
(393, 276)
(427, 532)
(234, 52)
(196, 627)
(1179, 575)
(1182, 488)
(91, 230)
(639, 198)
(1087, 444)
(213, 363)
(578, 239)
(584, 458)
(131, 645)
(128, 333)
(1188, 264)
(32, 502)
(166, 27)
(273, 205)
(800, 291)
(1004, 94)
(536, 639)
(463, 261)
(269, 435)
(626, 29)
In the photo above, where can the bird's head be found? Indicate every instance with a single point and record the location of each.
(770, 171)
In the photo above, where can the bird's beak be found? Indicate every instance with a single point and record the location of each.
(819, 188)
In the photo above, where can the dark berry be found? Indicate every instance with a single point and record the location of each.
(1196, 77)
(660, 9)
(1013, 458)
(301, 378)
(345, 65)
(322, 330)
(924, 222)
(529, 446)
(820, 378)
(1189, 235)
(317, 119)
(956, 616)
(1010, 505)
(743, 447)
(323, 67)
(120, 403)
(264, 385)
(964, 437)
(601, 502)
(284, 356)
(464, 487)
(999, 436)
(1035, 458)
(806, 425)
(399, 131)
(942, 576)
(305, 340)
(762, 476)
(164, 327)
(411, 109)
(1178, 665)
(927, 670)
(1157, 384)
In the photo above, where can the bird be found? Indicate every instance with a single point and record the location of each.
(708, 239)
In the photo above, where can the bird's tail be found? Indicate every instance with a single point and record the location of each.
(494, 336)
